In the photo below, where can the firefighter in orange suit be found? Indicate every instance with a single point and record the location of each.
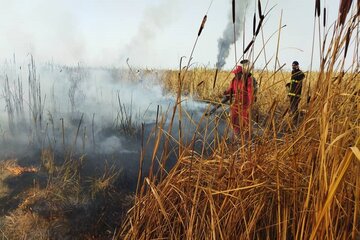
(241, 92)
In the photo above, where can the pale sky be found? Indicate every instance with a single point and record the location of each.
(153, 34)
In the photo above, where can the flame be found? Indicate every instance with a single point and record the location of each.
(17, 170)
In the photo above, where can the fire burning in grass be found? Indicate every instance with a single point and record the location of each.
(15, 169)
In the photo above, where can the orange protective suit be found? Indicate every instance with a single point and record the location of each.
(241, 92)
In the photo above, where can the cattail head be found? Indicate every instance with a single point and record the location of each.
(324, 18)
(317, 8)
(202, 25)
(348, 36)
(254, 24)
(233, 11)
(344, 9)
(216, 73)
(259, 25)
(200, 83)
(259, 8)
(249, 46)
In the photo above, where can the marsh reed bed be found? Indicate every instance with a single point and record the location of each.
(302, 185)
(292, 181)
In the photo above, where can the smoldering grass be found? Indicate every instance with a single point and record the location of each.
(125, 121)
(105, 181)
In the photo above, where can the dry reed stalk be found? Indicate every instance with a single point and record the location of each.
(77, 132)
(93, 131)
(63, 132)
(215, 77)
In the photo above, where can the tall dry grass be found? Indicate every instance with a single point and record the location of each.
(304, 184)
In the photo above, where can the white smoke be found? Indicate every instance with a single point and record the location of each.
(227, 38)
(107, 102)
(154, 20)
(44, 28)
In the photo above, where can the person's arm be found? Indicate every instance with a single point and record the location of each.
(225, 99)
(230, 89)
(288, 87)
(227, 93)
(298, 76)
(302, 76)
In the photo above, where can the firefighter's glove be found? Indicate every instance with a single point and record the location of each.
(287, 85)
(210, 112)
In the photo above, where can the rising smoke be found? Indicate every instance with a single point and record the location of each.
(95, 112)
(89, 109)
(43, 28)
(227, 38)
(154, 20)
(93, 32)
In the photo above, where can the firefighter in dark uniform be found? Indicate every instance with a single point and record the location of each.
(294, 89)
